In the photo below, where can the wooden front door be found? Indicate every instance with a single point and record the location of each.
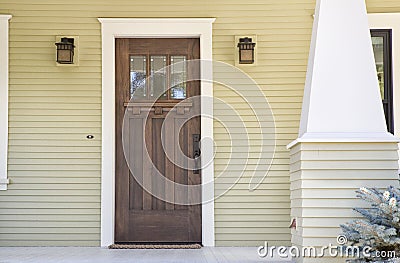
(158, 183)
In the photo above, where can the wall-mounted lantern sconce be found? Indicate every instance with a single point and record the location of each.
(246, 50)
(65, 51)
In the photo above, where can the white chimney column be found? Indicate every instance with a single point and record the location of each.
(343, 142)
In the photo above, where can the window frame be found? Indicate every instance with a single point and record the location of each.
(4, 25)
(387, 102)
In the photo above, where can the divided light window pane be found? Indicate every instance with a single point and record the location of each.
(178, 77)
(161, 77)
(158, 82)
(138, 77)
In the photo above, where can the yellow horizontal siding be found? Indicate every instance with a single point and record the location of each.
(55, 171)
(383, 6)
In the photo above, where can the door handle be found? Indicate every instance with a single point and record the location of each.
(196, 153)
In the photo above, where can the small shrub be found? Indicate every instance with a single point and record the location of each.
(380, 227)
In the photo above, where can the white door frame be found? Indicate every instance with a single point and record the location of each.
(112, 28)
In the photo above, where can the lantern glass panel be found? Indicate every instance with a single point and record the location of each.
(64, 56)
(246, 56)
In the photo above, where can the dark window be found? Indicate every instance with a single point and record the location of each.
(382, 45)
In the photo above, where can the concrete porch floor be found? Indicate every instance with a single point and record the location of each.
(104, 255)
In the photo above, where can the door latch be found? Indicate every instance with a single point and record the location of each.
(196, 153)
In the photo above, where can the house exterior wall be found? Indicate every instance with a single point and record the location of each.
(54, 195)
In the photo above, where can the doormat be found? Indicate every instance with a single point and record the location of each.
(154, 246)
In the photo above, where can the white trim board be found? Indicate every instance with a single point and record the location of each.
(391, 21)
(112, 28)
(3, 100)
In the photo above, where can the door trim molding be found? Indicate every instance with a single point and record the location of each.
(112, 28)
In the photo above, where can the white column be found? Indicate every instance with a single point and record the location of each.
(343, 142)
(341, 92)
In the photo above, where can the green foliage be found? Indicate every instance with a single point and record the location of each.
(380, 227)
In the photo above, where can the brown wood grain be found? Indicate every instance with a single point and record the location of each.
(141, 217)
(121, 169)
